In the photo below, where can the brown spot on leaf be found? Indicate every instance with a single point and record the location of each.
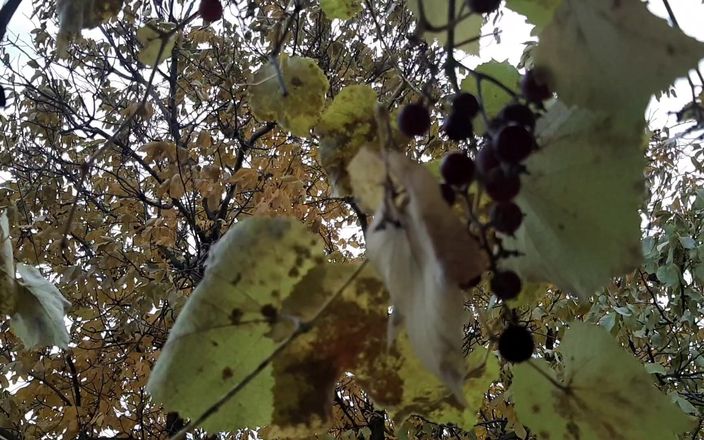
(293, 273)
(543, 435)
(235, 316)
(296, 81)
(226, 373)
(237, 279)
(269, 312)
(535, 408)
(214, 343)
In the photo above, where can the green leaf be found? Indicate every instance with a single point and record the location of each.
(40, 310)
(222, 333)
(580, 198)
(669, 275)
(613, 55)
(299, 108)
(342, 9)
(436, 14)
(538, 12)
(157, 42)
(605, 393)
(494, 98)
(655, 368)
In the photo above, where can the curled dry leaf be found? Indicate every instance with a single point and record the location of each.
(424, 253)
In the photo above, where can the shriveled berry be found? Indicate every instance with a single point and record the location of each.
(516, 344)
(534, 86)
(483, 6)
(465, 104)
(457, 169)
(501, 185)
(506, 217)
(513, 143)
(506, 284)
(448, 193)
(414, 120)
(210, 10)
(518, 114)
(458, 127)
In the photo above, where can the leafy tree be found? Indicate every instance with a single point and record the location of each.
(210, 206)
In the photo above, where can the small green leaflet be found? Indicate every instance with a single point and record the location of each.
(580, 198)
(436, 14)
(494, 98)
(605, 394)
(613, 55)
(222, 332)
(342, 9)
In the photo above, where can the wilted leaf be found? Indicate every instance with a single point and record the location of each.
(298, 109)
(8, 285)
(605, 393)
(580, 199)
(367, 174)
(424, 253)
(39, 313)
(222, 333)
(613, 55)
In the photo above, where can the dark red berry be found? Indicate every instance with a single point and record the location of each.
(506, 217)
(210, 10)
(483, 6)
(513, 143)
(534, 86)
(448, 193)
(458, 127)
(465, 104)
(414, 120)
(486, 160)
(506, 285)
(516, 344)
(457, 169)
(518, 114)
(501, 185)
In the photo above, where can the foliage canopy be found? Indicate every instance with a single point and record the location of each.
(223, 228)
